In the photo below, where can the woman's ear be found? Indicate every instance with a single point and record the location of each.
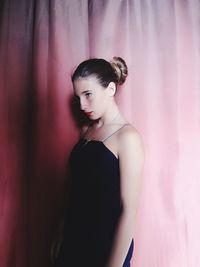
(112, 88)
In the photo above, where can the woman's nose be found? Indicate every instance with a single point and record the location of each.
(82, 104)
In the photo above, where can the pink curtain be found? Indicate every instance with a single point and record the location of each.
(41, 42)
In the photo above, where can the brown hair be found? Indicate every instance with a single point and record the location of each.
(115, 71)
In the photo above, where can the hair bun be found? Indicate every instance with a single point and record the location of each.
(120, 68)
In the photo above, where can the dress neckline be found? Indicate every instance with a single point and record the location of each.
(103, 140)
(87, 141)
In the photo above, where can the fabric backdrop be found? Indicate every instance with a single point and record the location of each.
(41, 42)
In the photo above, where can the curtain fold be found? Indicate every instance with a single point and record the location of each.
(41, 43)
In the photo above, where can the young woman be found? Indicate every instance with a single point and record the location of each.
(106, 168)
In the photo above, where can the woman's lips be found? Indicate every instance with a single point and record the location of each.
(88, 113)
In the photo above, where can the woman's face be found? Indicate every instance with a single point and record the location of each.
(94, 99)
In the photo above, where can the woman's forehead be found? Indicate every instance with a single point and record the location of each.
(85, 84)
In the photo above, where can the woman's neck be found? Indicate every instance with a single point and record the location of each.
(110, 116)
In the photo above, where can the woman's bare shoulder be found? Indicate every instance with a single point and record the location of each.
(129, 135)
(130, 146)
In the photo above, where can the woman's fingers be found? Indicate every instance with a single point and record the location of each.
(55, 249)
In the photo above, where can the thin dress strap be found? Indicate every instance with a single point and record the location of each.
(114, 132)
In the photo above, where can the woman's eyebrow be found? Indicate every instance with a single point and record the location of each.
(86, 91)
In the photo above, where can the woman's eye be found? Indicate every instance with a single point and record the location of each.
(88, 95)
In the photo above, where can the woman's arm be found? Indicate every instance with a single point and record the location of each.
(131, 160)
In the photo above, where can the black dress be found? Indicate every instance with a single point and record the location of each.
(94, 208)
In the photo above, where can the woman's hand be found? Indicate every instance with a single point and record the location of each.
(57, 243)
(55, 249)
